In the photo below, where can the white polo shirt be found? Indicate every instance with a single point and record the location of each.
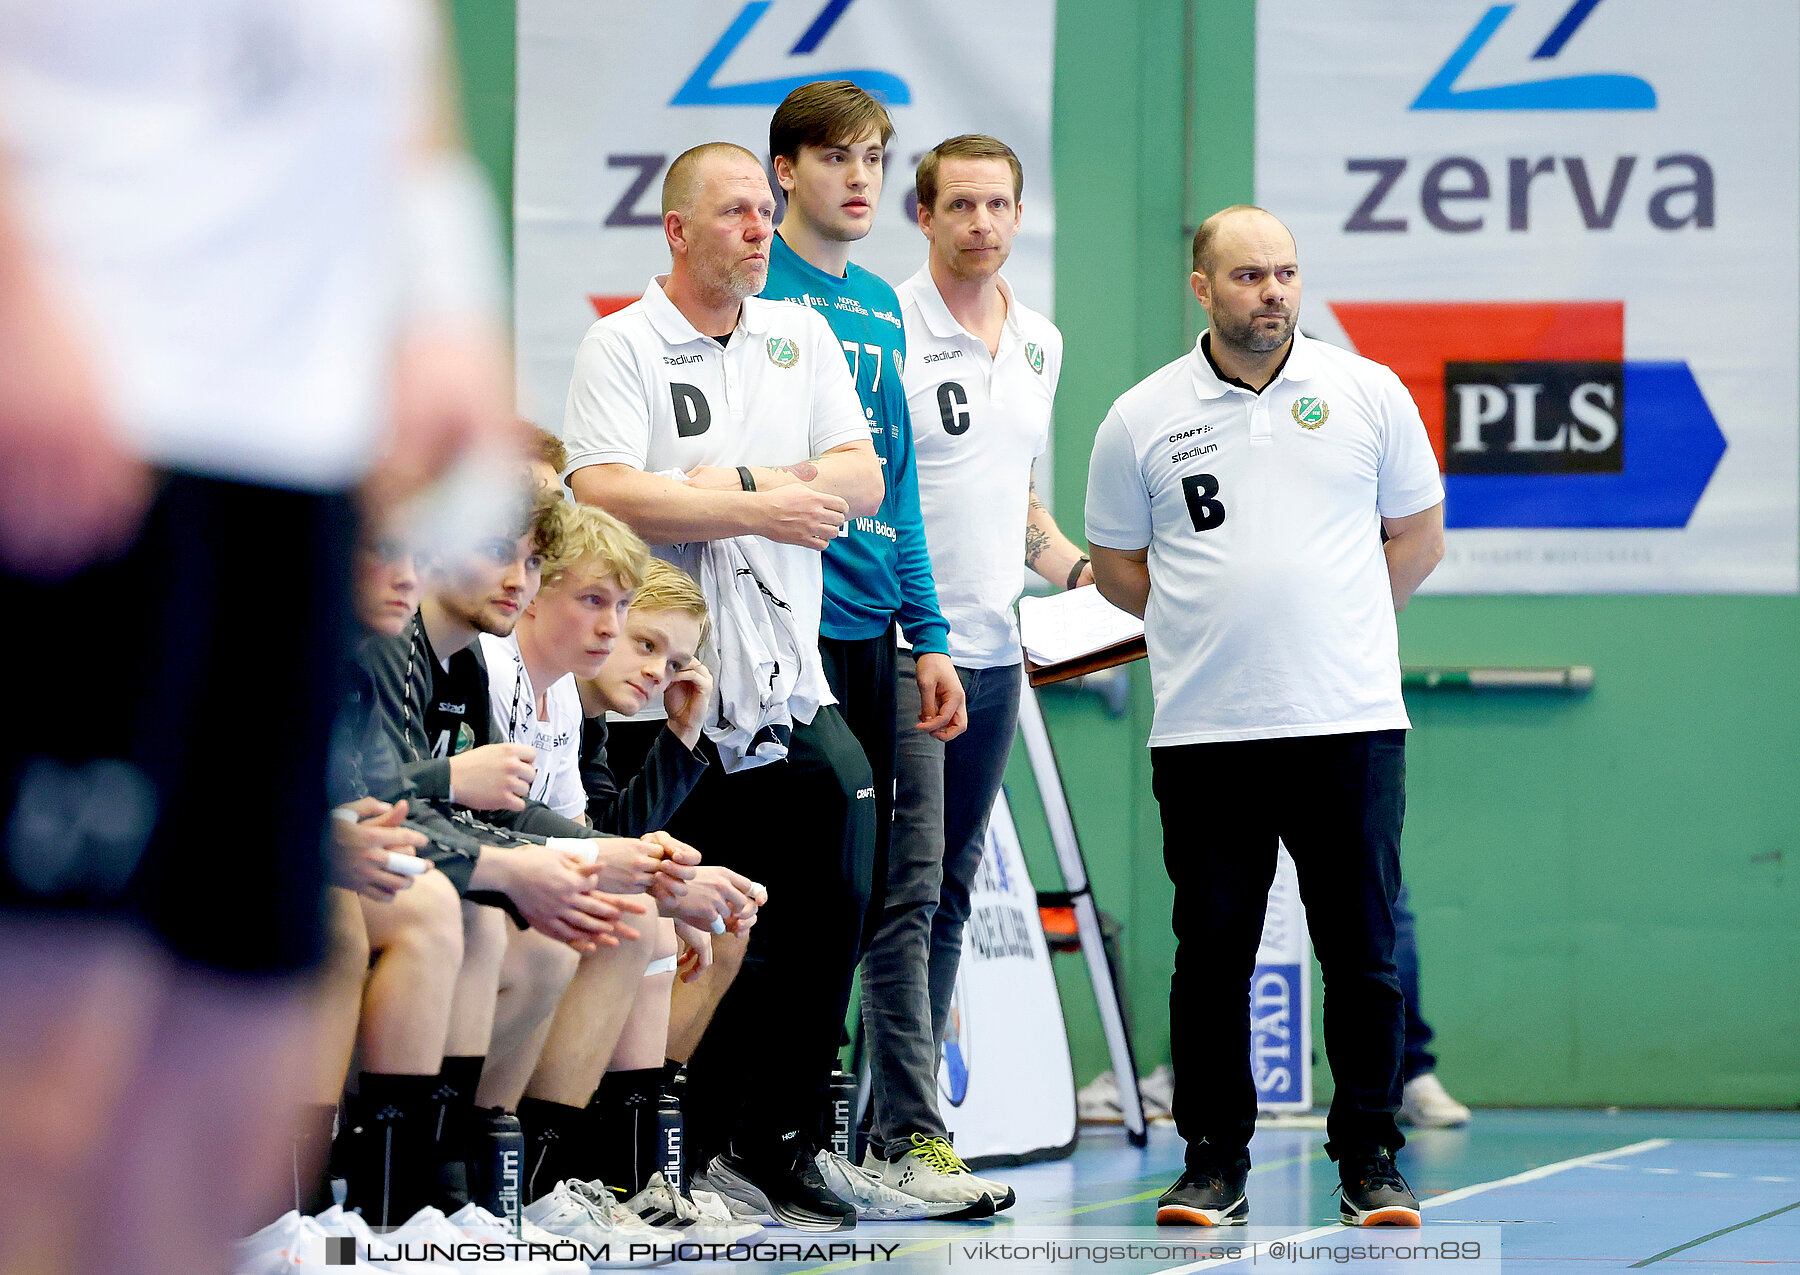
(1270, 613)
(651, 392)
(978, 422)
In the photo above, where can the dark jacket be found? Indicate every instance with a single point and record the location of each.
(649, 797)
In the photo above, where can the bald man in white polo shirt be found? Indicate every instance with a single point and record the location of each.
(1237, 500)
(702, 374)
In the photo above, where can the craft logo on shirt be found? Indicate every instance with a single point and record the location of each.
(1034, 354)
(1310, 413)
(783, 352)
(899, 363)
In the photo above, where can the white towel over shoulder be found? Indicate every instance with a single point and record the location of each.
(763, 667)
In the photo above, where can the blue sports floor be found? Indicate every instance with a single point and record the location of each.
(1683, 1193)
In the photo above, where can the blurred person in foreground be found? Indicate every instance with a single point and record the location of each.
(244, 269)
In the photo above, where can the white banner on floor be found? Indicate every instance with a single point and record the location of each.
(1006, 1087)
(1280, 999)
(1569, 226)
(609, 92)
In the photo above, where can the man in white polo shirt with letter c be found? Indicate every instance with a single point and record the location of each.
(1237, 500)
(981, 373)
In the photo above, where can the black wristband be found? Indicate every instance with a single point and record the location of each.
(1076, 573)
(745, 478)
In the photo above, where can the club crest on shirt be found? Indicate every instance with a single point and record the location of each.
(783, 352)
(1310, 413)
(1034, 355)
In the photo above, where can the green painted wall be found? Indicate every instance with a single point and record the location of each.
(1605, 885)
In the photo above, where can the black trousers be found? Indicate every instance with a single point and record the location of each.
(861, 675)
(1337, 802)
(805, 829)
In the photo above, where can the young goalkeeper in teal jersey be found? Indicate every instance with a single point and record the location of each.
(828, 142)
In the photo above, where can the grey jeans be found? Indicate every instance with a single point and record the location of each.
(943, 796)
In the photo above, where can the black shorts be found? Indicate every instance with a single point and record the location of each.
(164, 765)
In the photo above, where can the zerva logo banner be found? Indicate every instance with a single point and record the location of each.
(1569, 226)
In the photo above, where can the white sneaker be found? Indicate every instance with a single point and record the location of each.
(711, 1202)
(1098, 1101)
(876, 1201)
(375, 1249)
(717, 1208)
(1158, 1093)
(1425, 1104)
(589, 1214)
(430, 1234)
(478, 1224)
(932, 1170)
(681, 1220)
(290, 1243)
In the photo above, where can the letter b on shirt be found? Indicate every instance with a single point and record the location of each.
(692, 415)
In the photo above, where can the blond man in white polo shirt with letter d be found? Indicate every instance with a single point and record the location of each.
(1237, 500)
(704, 377)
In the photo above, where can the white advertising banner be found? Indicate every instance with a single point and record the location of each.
(1280, 999)
(610, 91)
(1006, 1087)
(1569, 225)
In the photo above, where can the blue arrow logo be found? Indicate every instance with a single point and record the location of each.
(699, 89)
(1672, 446)
(1562, 93)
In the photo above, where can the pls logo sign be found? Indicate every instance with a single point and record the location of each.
(1537, 418)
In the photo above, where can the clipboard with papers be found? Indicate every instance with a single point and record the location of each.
(1066, 635)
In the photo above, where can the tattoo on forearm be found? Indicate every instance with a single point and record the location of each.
(1036, 541)
(1033, 501)
(803, 470)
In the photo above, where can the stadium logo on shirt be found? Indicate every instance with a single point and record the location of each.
(783, 352)
(1310, 413)
(1034, 354)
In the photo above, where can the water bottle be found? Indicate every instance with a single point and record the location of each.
(497, 1165)
(841, 1097)
(668, 1139)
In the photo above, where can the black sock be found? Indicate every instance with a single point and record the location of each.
(455, 1092)
(555, 1145)
(311, 1157)
(670, 1070)
(625, 1129)
(390, 1172)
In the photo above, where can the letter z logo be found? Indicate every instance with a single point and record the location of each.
(1559, 93)
(700, 88)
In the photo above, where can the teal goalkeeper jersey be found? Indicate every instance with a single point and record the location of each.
(881, 570)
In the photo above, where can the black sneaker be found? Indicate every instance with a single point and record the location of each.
(1374, 1193)
(787, 1188)
(1207, 1194)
